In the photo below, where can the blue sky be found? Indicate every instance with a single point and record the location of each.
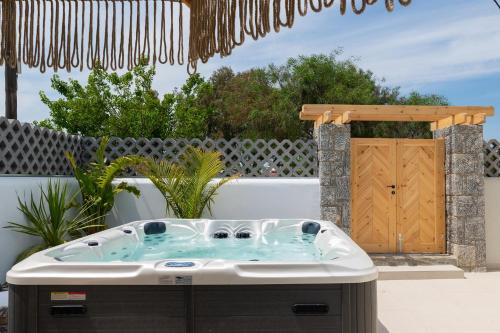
(450, 48)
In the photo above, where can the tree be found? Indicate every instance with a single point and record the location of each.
(192, 116)
(324, 79)
(110, 105)
(247, 105)
(259, 103)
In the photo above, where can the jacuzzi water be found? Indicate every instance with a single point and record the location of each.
(286, 246)
(206, 251)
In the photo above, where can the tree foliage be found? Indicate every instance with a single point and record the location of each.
(260, 103)
(110, 105)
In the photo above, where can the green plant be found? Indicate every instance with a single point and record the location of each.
(50, 218)
(187, 186)
(109, 104)
(96, 183)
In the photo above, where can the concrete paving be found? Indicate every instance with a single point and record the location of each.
(470, 305)
(419, 272)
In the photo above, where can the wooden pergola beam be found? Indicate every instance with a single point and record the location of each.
(312, 111)
(439, 116)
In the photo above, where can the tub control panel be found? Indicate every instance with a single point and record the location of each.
(179, 264)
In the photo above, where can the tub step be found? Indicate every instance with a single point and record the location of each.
(413, 259)
(420, 272)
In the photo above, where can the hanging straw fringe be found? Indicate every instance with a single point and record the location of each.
(233, 20)
(67, 34)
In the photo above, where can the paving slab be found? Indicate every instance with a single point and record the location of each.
(470, 305)
(419, 272)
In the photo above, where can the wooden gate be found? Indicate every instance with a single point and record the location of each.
(398, 195)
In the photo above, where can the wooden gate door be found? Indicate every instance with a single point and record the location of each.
(398, 195)
(373, 204)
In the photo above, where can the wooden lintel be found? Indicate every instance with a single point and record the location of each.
(344, 118)
(460, 119)
(479, 119)
(325, 118)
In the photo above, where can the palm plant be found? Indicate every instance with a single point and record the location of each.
(50, 218)
(96, 183)
(187, 186)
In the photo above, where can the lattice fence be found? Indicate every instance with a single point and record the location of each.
(259, 158)
(31, 150)
(26, 149)
(492, 158)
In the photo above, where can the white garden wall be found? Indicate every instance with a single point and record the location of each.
(492, 198)
(249, 198)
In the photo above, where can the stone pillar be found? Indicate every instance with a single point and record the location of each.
(465, 221)
(334, 155)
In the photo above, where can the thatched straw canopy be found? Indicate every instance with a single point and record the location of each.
(77, 34)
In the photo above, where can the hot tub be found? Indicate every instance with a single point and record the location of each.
(198, 276)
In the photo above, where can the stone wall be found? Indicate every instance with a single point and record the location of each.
(334, 154)
(465, 210)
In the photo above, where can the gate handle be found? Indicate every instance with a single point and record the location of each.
(392, 186)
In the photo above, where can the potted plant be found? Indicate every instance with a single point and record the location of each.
(54, 217)
(96, 183)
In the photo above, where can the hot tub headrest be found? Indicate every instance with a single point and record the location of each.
(153, 228)
(311, 227)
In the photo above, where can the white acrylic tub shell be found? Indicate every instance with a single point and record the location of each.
(344, 261)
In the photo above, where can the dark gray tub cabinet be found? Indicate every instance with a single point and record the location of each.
(346, 308)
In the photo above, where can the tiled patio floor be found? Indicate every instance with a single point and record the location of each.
(470, 305)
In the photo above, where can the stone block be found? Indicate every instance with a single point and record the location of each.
(480, 206)
(466, 256)
(325, 171)
(324, 133)
(326, 143)
(342, 140)
(463, 206)
(327, 194)
(331, 214)
(465, 143)
(342, 188)
(456, 229)
(339, 168)
(346, 215)
(474, 230)
(448, 167)
(326, 155)
(470, 184)
(469, 130)
(466, 164)
(480, 255)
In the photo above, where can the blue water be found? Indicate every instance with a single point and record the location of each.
(280, 247)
